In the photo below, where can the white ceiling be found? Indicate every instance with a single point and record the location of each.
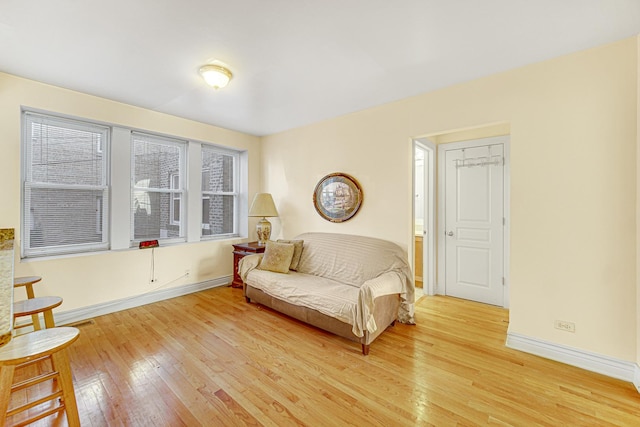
(294, 62)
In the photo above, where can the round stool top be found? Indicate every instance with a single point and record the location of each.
(37, 344)
(35, 305)
(28, 280)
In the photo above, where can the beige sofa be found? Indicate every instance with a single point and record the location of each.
(352, 286)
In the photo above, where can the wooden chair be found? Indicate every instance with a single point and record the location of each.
(33, 307)
(28, 282)
(31, 348)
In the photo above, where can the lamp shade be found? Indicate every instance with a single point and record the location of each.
(263, 206)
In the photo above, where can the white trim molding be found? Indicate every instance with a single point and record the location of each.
(615, 368)
(85, 313)
(428, 246)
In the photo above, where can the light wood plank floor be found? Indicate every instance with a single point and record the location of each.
(211, 359)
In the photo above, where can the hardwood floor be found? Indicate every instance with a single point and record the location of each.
(211, 359)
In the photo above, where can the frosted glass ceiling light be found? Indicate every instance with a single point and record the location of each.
(215, 75)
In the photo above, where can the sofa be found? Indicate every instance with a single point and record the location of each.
(352, 286)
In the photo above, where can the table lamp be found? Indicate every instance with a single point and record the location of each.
(263, 206)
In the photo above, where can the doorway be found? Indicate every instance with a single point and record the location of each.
(473, 182)
(424, 214)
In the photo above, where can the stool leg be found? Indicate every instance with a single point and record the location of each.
(48, 319)
(34, 317)
(29, 289)
(36, 322)
(6, 380)
(60, 362)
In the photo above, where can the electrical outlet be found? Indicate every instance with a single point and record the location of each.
(565, 326)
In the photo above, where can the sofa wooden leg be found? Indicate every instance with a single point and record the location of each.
(365, 349)
(393, 323)
(248, 299)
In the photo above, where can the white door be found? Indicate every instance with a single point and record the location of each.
(474, 223)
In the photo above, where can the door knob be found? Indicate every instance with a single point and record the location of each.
(450, 233)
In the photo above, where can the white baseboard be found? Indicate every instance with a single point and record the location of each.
(616, 368)
(84, 313)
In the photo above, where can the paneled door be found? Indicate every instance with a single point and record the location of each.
(474, 222)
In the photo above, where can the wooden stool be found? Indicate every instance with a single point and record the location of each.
(32, 307)
(28, 282)
(23, 349)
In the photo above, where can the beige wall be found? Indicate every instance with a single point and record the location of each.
(97, 278)
(573, 184)
(574, 138)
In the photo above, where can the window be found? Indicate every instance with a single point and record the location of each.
(158, 175)
(71, 204)
(219, 191)
(65, 186)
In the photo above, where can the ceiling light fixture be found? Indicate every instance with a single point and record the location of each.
(216, 76)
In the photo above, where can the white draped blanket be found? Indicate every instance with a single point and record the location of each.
(340, 276)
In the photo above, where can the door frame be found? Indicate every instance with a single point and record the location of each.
(428, 243)
(442, 149)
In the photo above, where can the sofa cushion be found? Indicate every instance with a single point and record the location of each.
(324, 295)
(297, 252)
(277, 257)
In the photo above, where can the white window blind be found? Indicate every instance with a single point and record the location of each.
(158, 188)
(65, 186)
(219, 191)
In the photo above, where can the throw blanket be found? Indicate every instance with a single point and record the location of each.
(356, 260)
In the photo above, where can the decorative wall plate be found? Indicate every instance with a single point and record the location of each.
(337, 197)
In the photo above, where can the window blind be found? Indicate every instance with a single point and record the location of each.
(65, 186)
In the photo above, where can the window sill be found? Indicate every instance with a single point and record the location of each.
(216, 239)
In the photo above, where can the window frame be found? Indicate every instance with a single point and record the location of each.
(175, 197)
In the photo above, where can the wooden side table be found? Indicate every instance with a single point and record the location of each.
(240, 251)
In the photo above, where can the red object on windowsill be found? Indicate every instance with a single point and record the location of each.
(149, 244)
